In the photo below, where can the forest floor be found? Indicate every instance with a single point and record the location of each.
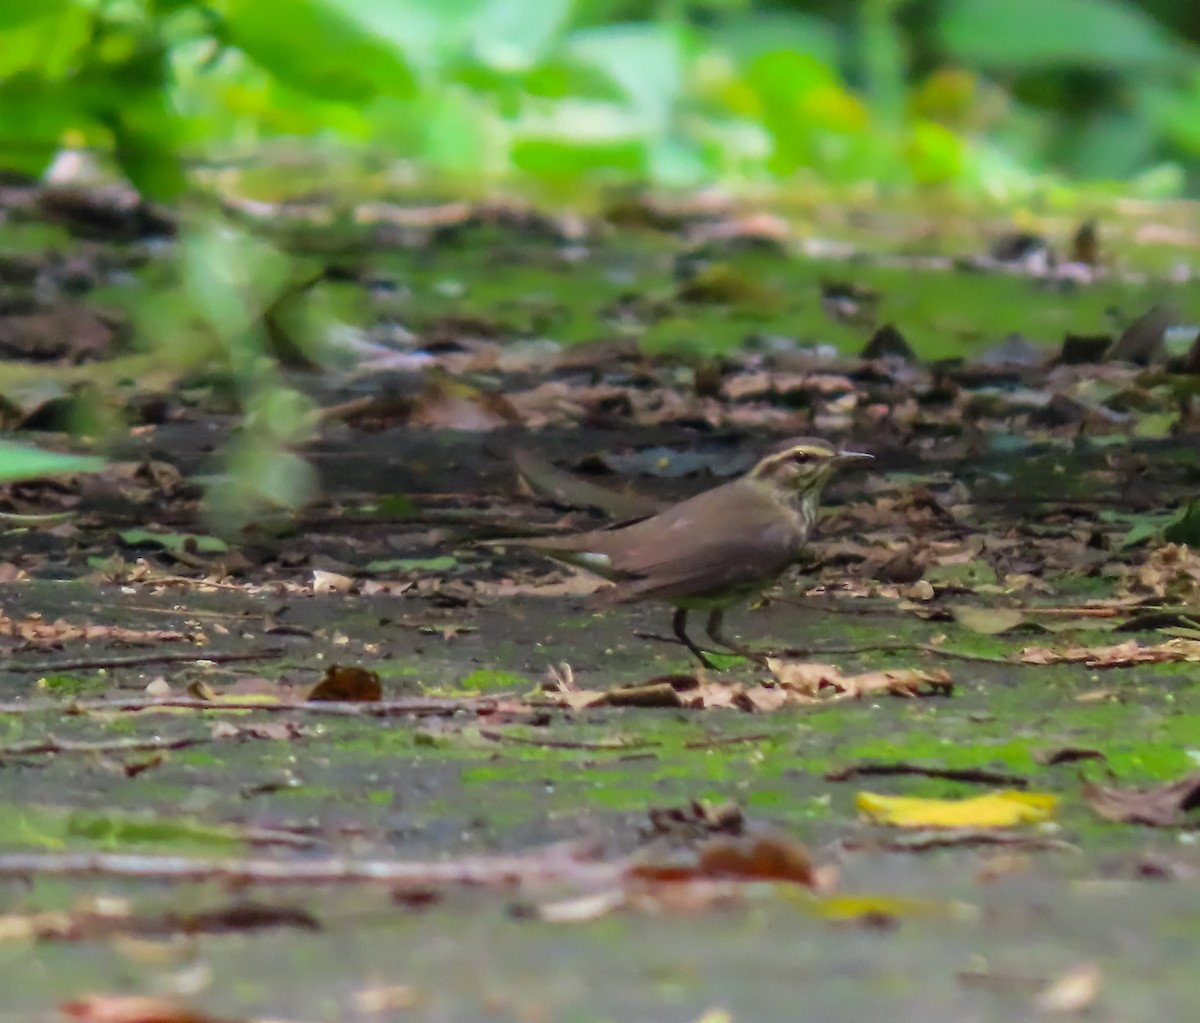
(352, 764)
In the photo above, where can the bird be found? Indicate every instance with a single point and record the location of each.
(712, 551)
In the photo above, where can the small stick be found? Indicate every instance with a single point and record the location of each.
(386, 708)
(136, 660)
(552, 865)
(55, 745)
(495, 735)
(972, 775)
(925, 648)
(866, 648)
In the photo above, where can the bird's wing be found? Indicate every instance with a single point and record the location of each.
(698, 547)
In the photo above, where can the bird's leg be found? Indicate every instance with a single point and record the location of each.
(679, 624)
(716, 619)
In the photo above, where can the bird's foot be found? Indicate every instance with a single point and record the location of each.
(699, 652)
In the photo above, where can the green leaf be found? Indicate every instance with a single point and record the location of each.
(1143, 528)
(513, 34)
(51, 47)
(1017, 35)
(458, 133)
(1185, 527)
(397, 506)
(487, 679)
(645, 60)
(438, 564)
(150, 158)
(318, 47)
(20, 462)
(176, 542)
(1156, 424)
(34, 113)
(562, 158)
(765, 31)
(15, 13)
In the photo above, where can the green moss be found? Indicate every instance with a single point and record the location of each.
(73, 685)
(484, 679)
(51, 827)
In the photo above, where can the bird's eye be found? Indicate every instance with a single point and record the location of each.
(801, 457)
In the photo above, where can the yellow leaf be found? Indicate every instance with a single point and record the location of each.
(1000, 809)
(855, 907)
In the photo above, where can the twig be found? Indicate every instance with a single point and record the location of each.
(924, 648)
(951, 838)
(728, 740)
(54, 745)
(387, 708)
(136, 660)
(190, 612)
(554, 864)
(830, 607)
(154, 580)
(495, 735)
(866, 648)
(971, 775)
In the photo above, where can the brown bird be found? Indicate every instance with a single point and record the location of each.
(719, 548)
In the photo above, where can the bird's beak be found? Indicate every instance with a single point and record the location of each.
(850, 456)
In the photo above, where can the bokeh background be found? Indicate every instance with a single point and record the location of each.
(997, 97)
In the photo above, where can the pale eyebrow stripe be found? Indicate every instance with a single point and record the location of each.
(785, 456)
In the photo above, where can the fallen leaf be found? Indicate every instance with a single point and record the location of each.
(450, 404)
(1122, 655)
(1071, 993)
(1160, 806)
(698, 820)
(387, 998)
(885, 908)
(133, 1009)
(330, 582)
(808, 679)
(988, 621)
(1142, 340)
(582, 909)
(1000, 809)
(757, 858)
(351, 684)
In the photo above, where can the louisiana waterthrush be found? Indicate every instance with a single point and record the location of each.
(719, 548)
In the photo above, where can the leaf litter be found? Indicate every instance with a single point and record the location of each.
(946, 533)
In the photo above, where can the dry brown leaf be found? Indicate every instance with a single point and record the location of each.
(752, 858)
(35, 631)
(447, 403)
(1160, 806)
(807, 680)
(330, 582)
(576, 584)
(1122, 655)
(349, 683)
(1171, 572)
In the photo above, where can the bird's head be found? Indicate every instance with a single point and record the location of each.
(802, 466)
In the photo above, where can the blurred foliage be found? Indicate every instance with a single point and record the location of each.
(985, 95)
(23, 462)
(230, 282)
(562, 98)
